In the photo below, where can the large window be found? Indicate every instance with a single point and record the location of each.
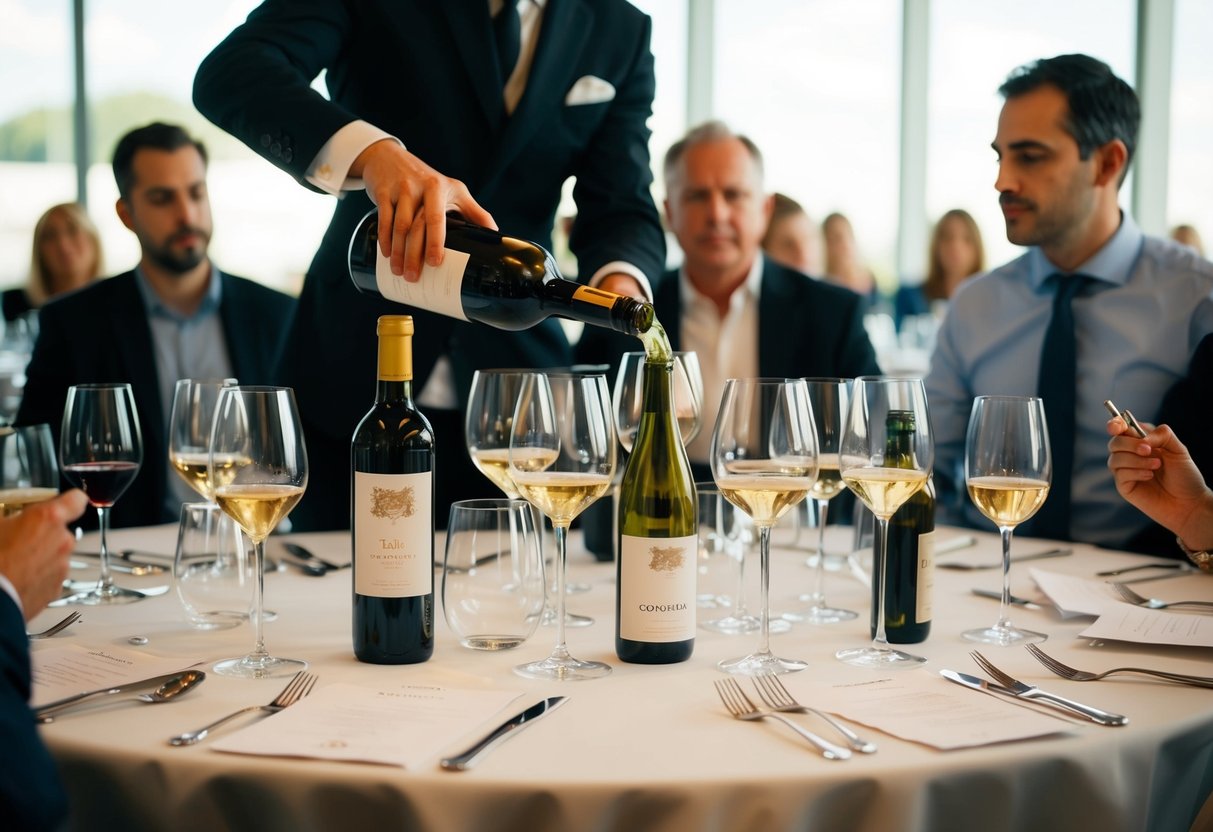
(973, 47)
(816, 85)
(1190, 192)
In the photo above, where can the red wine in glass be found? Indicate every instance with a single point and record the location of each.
(103, 482)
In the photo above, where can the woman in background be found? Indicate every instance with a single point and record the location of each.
(956, 253)
(66, 255)
(843, 267)
(1187, 235)
(792, 239)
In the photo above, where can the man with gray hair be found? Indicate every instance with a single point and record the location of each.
(741, 312)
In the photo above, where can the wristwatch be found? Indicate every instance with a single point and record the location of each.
(1203, 558)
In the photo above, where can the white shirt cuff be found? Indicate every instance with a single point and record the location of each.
(626, 268)
(329, 171)
(8, 587)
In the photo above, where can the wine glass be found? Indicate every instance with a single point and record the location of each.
(764, 461)
(562, 456)
(258, 472)
(487, 427)
(628, 402)
(28, 471)
(885, 456)
(1008, 469)
(189, 430)
(828, 398)
(101, 450)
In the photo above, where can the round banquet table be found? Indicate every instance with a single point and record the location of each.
(649, 747)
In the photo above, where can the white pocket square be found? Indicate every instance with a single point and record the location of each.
(589, 89)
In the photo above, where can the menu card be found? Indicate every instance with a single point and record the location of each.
(400, 726)
(1077, 596)
(1145, 626)
(922, 707)
(60, 672)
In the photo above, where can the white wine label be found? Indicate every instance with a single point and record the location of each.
(393, 535)
(438, 290)
(926, 576)
(657, 588)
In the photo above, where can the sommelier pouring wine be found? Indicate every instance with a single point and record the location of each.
(485, 108)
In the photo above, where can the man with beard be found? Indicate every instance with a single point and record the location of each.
(1095, 309)
(174, 316)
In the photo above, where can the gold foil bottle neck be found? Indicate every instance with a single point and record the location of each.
(395, 347)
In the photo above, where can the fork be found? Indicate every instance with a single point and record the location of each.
(58, 627)
(740, 706)
(1026, 691)
(778, 698)
(300, 686)
(1153, 603)
(1067, 672)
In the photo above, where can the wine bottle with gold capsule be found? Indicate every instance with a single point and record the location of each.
(392, 512)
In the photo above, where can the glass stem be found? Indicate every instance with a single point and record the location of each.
(818, 597)
(105, 581)
(880, 641)
(560, 532)
(258, 653)
(739, 605)
(764, 570)
(1004, 622)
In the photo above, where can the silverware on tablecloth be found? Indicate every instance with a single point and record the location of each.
(741, 707)
(778, 698)
(1035, 694)
(303, 553)
(1175, 564)
(126, 561)
(58, 627)
(970, 567)
(1013, 599)
(464, 760)
(299, 686)
(1155, 604)
(172, 683)
(1067, 672)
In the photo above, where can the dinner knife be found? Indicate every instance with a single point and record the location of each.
(462, 762)
(59, 704)
(1014, 599)
(970, 567)
(996, 690)
(1034, 694)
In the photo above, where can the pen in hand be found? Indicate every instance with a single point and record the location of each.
(1133, 424)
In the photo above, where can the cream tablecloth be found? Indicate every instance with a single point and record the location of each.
(648, 748)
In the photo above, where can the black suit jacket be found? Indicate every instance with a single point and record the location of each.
(31, 796)
(426, 72)
(100, 334)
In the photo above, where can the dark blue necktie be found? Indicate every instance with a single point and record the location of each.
(507, 30)
(1057, 385)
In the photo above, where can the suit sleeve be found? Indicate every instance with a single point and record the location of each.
(616, 217)
(256, 84)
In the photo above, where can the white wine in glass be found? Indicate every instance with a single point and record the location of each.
(1008, 469)
(764, 461)
(258, 430)
(189, 433)
(28, 471)
(885, 457)
(562, 457)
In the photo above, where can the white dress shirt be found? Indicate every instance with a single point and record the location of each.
(727, 347)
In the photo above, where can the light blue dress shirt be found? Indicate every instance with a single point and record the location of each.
(1136, 324)
(193, 346)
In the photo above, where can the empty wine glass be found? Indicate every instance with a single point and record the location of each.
(828, 398)
(764, 461)
(1008, 470)
(562, 456)
(212, 572)
(628, 403)
(259, 441)
(101, 450)
(189, 430)
(28, 471)
(885, 456)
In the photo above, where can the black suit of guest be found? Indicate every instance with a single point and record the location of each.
(426, 72)
(100, 334)
(31, 796)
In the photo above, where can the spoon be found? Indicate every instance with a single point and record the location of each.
(171, 688)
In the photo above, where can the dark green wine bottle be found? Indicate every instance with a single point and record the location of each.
(502, 281)
(909, 574)
(392, 512)
(658, 548)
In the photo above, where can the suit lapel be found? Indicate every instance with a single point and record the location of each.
(562, 35)
(667, 300)
(133, 336)
(473, 36)
(773, 310)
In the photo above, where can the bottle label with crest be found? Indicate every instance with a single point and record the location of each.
(657, 579)
(393, 554)
(439, 289)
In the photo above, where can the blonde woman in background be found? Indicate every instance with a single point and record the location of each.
(956, 253)
(1187, 235)
(793, 239)
(843, 266)
(66, 255)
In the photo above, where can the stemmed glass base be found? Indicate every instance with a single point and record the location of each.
(1003, 635)
(761, 664)
(99, 596)
(820, 614)
(563, 667)
(253, 666)
(879, 658)
(733, 625)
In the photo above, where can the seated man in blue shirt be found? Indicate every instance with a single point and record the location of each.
(1093, 297)
(174, 316)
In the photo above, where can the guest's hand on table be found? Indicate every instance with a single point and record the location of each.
(1157, 475)
(35, 546)
(413, 199)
